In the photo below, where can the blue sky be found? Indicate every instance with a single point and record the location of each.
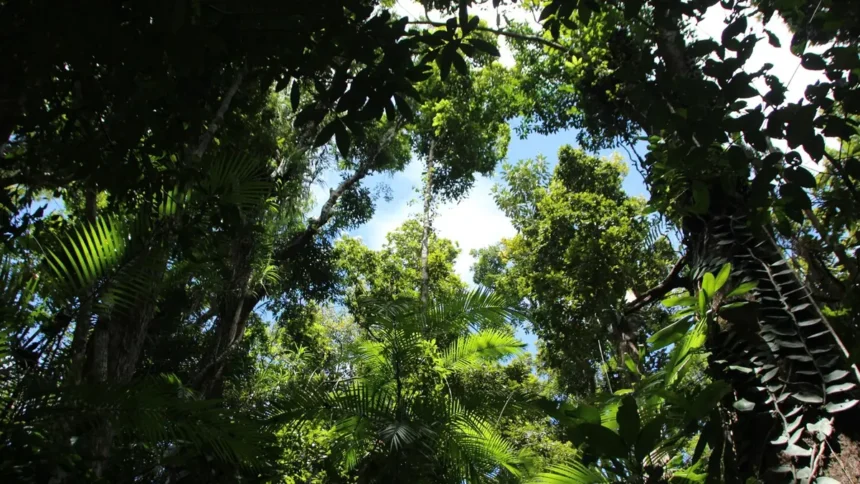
(474, 221)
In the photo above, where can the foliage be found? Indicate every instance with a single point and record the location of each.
(581, 246)
(395, 415)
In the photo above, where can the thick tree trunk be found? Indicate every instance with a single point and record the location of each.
(427, 226)
(118, 340)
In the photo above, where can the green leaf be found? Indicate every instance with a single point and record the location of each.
(701, 198)
(796, 451)
(295, 95)
(709, 284)
(485, 46)
(648, 438)
(722, 276)
(403, 107)
(587, 413)
(806, 397)
(669, 335)
(460, 64)
(326, 133)
(630, 364)
(684, 300)
(812, 62)
(603, 441)
(839, 407)
(701, 48)
(744, 405)
(628, 420)
(772, 39)
(835, 375)
(707, 399)
(702, 306)
(734, 29)
(342, 139)
(742, 289)
(801, 176)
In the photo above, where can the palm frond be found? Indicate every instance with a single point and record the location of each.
(479, 308)
(239, 180)
(17, 289)
(486, 345)
(158, 410)
(88, 253)
(571, 473)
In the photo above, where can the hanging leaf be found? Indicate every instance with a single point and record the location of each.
(701, 198)
(603, 441)
(806, 397)
(822, 429)
(744, 405)
(683, 301)
(772, 39)
(812, 62)
(342, 139)
(295, 95)
(797, 451)
(670, 334)
(485, 46)
(839, 407)
(742, 289)
(835, 375)
(648, 438)
(628, 420)
(842, 387)
(326, 133)
(800, 176)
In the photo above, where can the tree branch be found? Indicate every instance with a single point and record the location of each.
(327, 210)
(504, 33)
(206, 316)
(207, 136)
(671, 281)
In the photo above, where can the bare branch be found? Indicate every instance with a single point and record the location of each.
(671, 281)
(207, 136)
(327, 210)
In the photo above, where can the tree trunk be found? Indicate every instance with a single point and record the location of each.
(428, 226)
(81, 334)
(230, 322)
(778, 352)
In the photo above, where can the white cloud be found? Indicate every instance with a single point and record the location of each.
(786, 66)
(474, 222)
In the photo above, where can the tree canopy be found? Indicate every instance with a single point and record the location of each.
(182, 301)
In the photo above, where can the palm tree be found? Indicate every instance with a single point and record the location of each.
(395, 415)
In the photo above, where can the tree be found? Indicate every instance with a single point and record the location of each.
(712, 170)
(395, 271)
(582, 244)
(396, 415)
(460, 130)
